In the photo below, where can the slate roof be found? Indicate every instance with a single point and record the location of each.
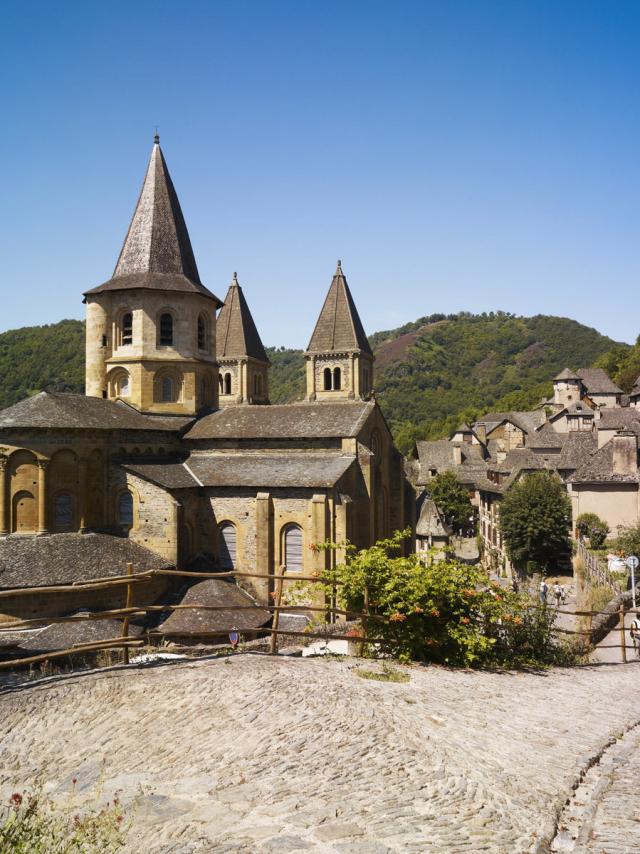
(438, 455)
(214, 591)
(598, 468)
(566, 374)
(157, 251)
(617, 418)
(546, 437)
(577, 449)
(67, 558)
(635, 391)
(430, 522)
(339, 327)
(286, 421)
(597, 381)
(65, 635)
(526, 421)
(236, 333)
(251, 470)
(58, 410)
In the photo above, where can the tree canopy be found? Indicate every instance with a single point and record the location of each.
(451, 498)
(535, 520)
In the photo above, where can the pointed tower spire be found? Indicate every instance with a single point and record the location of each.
(244, 364)
(157, 250)
(339, 356)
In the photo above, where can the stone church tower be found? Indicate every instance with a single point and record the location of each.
(243, 363)
(151, 329)
(339, 358)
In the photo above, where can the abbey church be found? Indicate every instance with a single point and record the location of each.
(175, 456)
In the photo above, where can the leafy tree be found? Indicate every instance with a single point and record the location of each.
(628, 540)
(451, 499)
(535, 520)
(592, 526)
(448, 612)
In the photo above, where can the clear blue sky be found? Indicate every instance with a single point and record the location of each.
(455, 155)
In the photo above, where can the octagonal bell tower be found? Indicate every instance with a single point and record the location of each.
(151, 329)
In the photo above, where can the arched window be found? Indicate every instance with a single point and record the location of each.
(126, 328)
(227, 383)
(327, 379)
(122, 385)
(293, 548)
(63, 510)
(125, 510)
(336, 379)
(167, 393)
(166, 330)
(203, 333)
(228, 546)
(221, 383)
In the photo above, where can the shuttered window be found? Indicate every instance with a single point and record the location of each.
(228, 547)
(293, 548)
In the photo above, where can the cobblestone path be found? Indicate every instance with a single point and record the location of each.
(256, 754)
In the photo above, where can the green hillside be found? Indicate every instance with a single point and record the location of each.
(430, 374)
(41, 357)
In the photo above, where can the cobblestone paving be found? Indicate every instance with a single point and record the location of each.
(256, 754)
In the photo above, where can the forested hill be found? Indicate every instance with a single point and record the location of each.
(430, 374)
(440, 370)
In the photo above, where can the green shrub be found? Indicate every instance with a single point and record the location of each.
(592, 526)
(449, 613)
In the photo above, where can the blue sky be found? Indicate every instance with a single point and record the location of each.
(455, 155)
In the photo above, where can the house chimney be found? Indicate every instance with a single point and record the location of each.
(625, 452)
(457, 454)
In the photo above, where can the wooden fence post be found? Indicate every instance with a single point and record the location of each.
(273, 643)
(125, 624)
(623, 645)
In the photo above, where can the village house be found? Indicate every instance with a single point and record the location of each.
(587, 433)
(175, 457)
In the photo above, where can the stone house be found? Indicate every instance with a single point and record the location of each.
(175, 452)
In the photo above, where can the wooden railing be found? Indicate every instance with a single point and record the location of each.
(595, 571)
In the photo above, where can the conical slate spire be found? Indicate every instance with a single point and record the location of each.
(157, 250)
(236, 335)
(339, 328)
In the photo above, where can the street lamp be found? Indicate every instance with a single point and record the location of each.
(632, 562)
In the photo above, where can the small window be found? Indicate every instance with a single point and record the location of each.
(227, 383)
(167, 390)
(327, 379)
(228, 546)
(336, 379)
(293, 548)
(166, 330)
(63, 510)
(122, 385)
(220, 383)
(202, 334)
(126, 329)
(125, 510)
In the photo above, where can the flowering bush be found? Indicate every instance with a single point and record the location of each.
(32, 823)
(448, 612)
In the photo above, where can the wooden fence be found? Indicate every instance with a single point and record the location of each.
(596, 572)
(367, 618)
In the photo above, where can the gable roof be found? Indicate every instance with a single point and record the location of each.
(578, 447)
(339, 327)
(236, 333)
(525, 421)
(64, 411)
(546, 437)
(430, 522)
(285, 421)
(598, 468)
(618, 418)
(597, 381)
(157, 251)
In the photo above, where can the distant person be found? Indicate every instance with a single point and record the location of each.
(543, 592)
(557, 593)
(514, 584)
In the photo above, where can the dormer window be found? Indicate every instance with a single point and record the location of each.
(166, 330)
